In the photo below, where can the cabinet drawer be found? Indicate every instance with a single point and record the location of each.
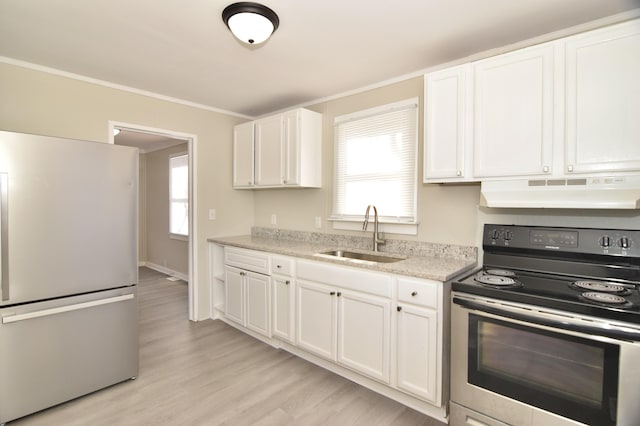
(248, 260)
(282, 265)
(419, 292)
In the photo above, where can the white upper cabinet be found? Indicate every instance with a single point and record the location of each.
(243, 155)
(286, 151)
(603, 100)
(269, 143)
(447, 134)
(513, 113)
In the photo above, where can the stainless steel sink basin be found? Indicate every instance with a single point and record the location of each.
(356, 256)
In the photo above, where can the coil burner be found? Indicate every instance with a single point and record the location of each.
(600, 286)
(607, 299)
(500, 272)
(497, 281)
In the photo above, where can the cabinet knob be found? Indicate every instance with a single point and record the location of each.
(242, 274)
(287, 282)
(339, 294)
(570, 168)
(332, 293)
(278, 266)
(249, 182)
(414, 293)
(399, 308)
(284, 181)
(545, 169)
(459, 173)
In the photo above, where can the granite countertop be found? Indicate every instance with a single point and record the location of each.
(439, 262)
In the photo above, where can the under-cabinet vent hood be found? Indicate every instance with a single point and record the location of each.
(602, 192)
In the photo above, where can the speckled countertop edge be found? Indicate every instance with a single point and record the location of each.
(440, 266)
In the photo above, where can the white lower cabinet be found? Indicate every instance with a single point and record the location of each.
(347, 327)
(416, 351)
(364, 327)
(283, 291)
(316, 320)
(234, 294)
(385, 329)
(247, 299)
(418, 338)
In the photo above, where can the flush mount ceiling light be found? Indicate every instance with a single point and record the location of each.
(251, 23)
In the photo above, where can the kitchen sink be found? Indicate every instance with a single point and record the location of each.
(363, 257)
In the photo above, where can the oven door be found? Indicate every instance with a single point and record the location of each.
(527, 367)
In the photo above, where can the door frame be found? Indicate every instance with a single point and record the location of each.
(192, 142)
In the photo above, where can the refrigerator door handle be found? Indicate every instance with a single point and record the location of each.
(4, 236)
(9, 318)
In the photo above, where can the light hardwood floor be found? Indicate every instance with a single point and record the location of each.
(208, 373)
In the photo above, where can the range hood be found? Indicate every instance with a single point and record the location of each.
(601, 192)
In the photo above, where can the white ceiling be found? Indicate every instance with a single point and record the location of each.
(182, 49)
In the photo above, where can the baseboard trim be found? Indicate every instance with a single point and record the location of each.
(165, 270)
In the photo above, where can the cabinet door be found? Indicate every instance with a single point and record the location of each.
(269, 151)
(292, 148)
(417, 363)
(234, 294)
(603, 100)
(243, 159)
(513, 113)
(364, 324)
(316, 319)
(258, 301)
(446, 136)
(283, 307)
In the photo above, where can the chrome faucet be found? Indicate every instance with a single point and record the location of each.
(376, 237)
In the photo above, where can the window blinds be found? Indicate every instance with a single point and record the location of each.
(376, 163)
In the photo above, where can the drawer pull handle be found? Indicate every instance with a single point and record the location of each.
(287, 282)
(399, 308)
(339, 294)
(414, 293)
(332, 293)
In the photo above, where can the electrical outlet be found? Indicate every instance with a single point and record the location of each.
(274, 219)
(212, 214)
(318, 222)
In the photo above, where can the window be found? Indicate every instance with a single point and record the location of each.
(179, 195)
(376, 153)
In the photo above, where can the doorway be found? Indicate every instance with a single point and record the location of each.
(161, 247)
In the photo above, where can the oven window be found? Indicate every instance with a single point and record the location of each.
(557, 372)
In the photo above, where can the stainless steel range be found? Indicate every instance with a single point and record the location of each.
(547, 332)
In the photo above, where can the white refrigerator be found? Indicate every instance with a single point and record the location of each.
(68, 270)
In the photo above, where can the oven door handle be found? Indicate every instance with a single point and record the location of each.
(612, 331)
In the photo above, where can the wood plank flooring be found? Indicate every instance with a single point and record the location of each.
(208, 373)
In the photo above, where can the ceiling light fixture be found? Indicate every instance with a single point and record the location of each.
(251, 23)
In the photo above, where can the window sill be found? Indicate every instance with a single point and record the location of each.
(179, 237)
(386, 227)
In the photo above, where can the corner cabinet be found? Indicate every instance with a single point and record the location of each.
(603, 100)
(279, 151)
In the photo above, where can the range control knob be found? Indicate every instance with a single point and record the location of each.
(605, 241)
(495, 234)
(623, 242)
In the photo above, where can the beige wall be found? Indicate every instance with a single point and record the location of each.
(36, 102)
(447, 214)
(161, 250)
(41, 103)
